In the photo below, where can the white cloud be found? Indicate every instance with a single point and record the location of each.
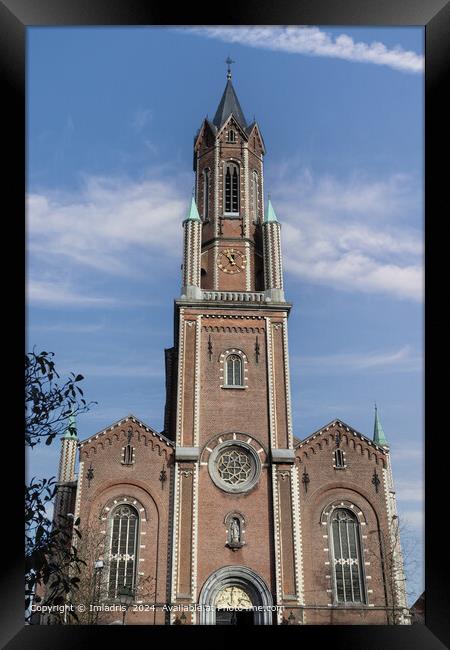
(108, 222)
(350, 234)
(56, 294)
(313, 41)
(335, 233)
(402, 360)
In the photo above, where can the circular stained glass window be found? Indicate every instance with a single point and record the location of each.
(234, 467)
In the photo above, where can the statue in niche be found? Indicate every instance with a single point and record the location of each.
(235, 540)
(235, 533)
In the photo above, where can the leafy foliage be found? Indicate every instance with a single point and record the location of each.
(51, 559)
(48, 403)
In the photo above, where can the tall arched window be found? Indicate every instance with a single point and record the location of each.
(206, 180)
(231, 136)
(231, 189)
(255, 195)
(347, 557)
(123, 548)
(234, 372)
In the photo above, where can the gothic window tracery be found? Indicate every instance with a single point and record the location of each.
(234, 370)
(231, 195)
(124, 524)
(347, 557)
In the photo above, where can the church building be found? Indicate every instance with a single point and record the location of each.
(226, 517)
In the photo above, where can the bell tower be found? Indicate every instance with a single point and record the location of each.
(229, 181)
(228, 404)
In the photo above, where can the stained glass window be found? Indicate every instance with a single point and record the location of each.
(123, 548)
(347, 557)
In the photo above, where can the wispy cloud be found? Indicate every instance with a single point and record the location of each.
(402, 360)
(71, 328)
(57, 294)
(407, 490)
(141, 117)
(337, 233)
(108, 222)
(124, 370)
(340, 233)
(313, 41)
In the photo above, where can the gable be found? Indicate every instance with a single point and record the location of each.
(117, 435)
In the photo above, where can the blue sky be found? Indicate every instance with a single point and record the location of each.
(111, 117)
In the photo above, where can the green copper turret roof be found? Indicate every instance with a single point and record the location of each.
(71, 431)
(270, 213)
(379, 437)
(193, 214)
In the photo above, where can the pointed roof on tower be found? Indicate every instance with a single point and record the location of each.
(193, 214)
(229, 105)
(270, 212)
(379, 436)
(71, 431)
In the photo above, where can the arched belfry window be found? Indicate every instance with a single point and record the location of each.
(206, 182)
(231, 197)
(124, 524)
(234, 370)
(231, 136)
(347, 557)
(255, 195)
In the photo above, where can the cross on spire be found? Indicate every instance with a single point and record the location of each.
(229, 61)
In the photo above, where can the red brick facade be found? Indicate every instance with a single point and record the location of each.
(228, 504)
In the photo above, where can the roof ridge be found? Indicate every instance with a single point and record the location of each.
(344, 424)
(158, 434)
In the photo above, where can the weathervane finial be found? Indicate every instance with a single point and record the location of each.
(229, 61)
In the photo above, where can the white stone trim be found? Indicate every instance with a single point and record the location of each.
(198, 334)
(297, 534)
(270, 383)
(277, 543)
(194, 585)
(287, 376)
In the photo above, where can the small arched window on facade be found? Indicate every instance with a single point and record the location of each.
(231, 189)
(206, 181)
(255, 196)
(124, 524)
(231, 136)
(339, 459)
(234, 370)
(128, 455)
(347, 557)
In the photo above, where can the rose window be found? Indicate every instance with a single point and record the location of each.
(234, 466)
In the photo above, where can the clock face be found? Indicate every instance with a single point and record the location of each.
(233, 598)
(231, 260)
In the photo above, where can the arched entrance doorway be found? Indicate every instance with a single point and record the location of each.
(230, 596)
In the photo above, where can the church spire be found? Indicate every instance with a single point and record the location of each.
(229, 104)
(379, 436)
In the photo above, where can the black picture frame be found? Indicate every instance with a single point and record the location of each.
(15, 17)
